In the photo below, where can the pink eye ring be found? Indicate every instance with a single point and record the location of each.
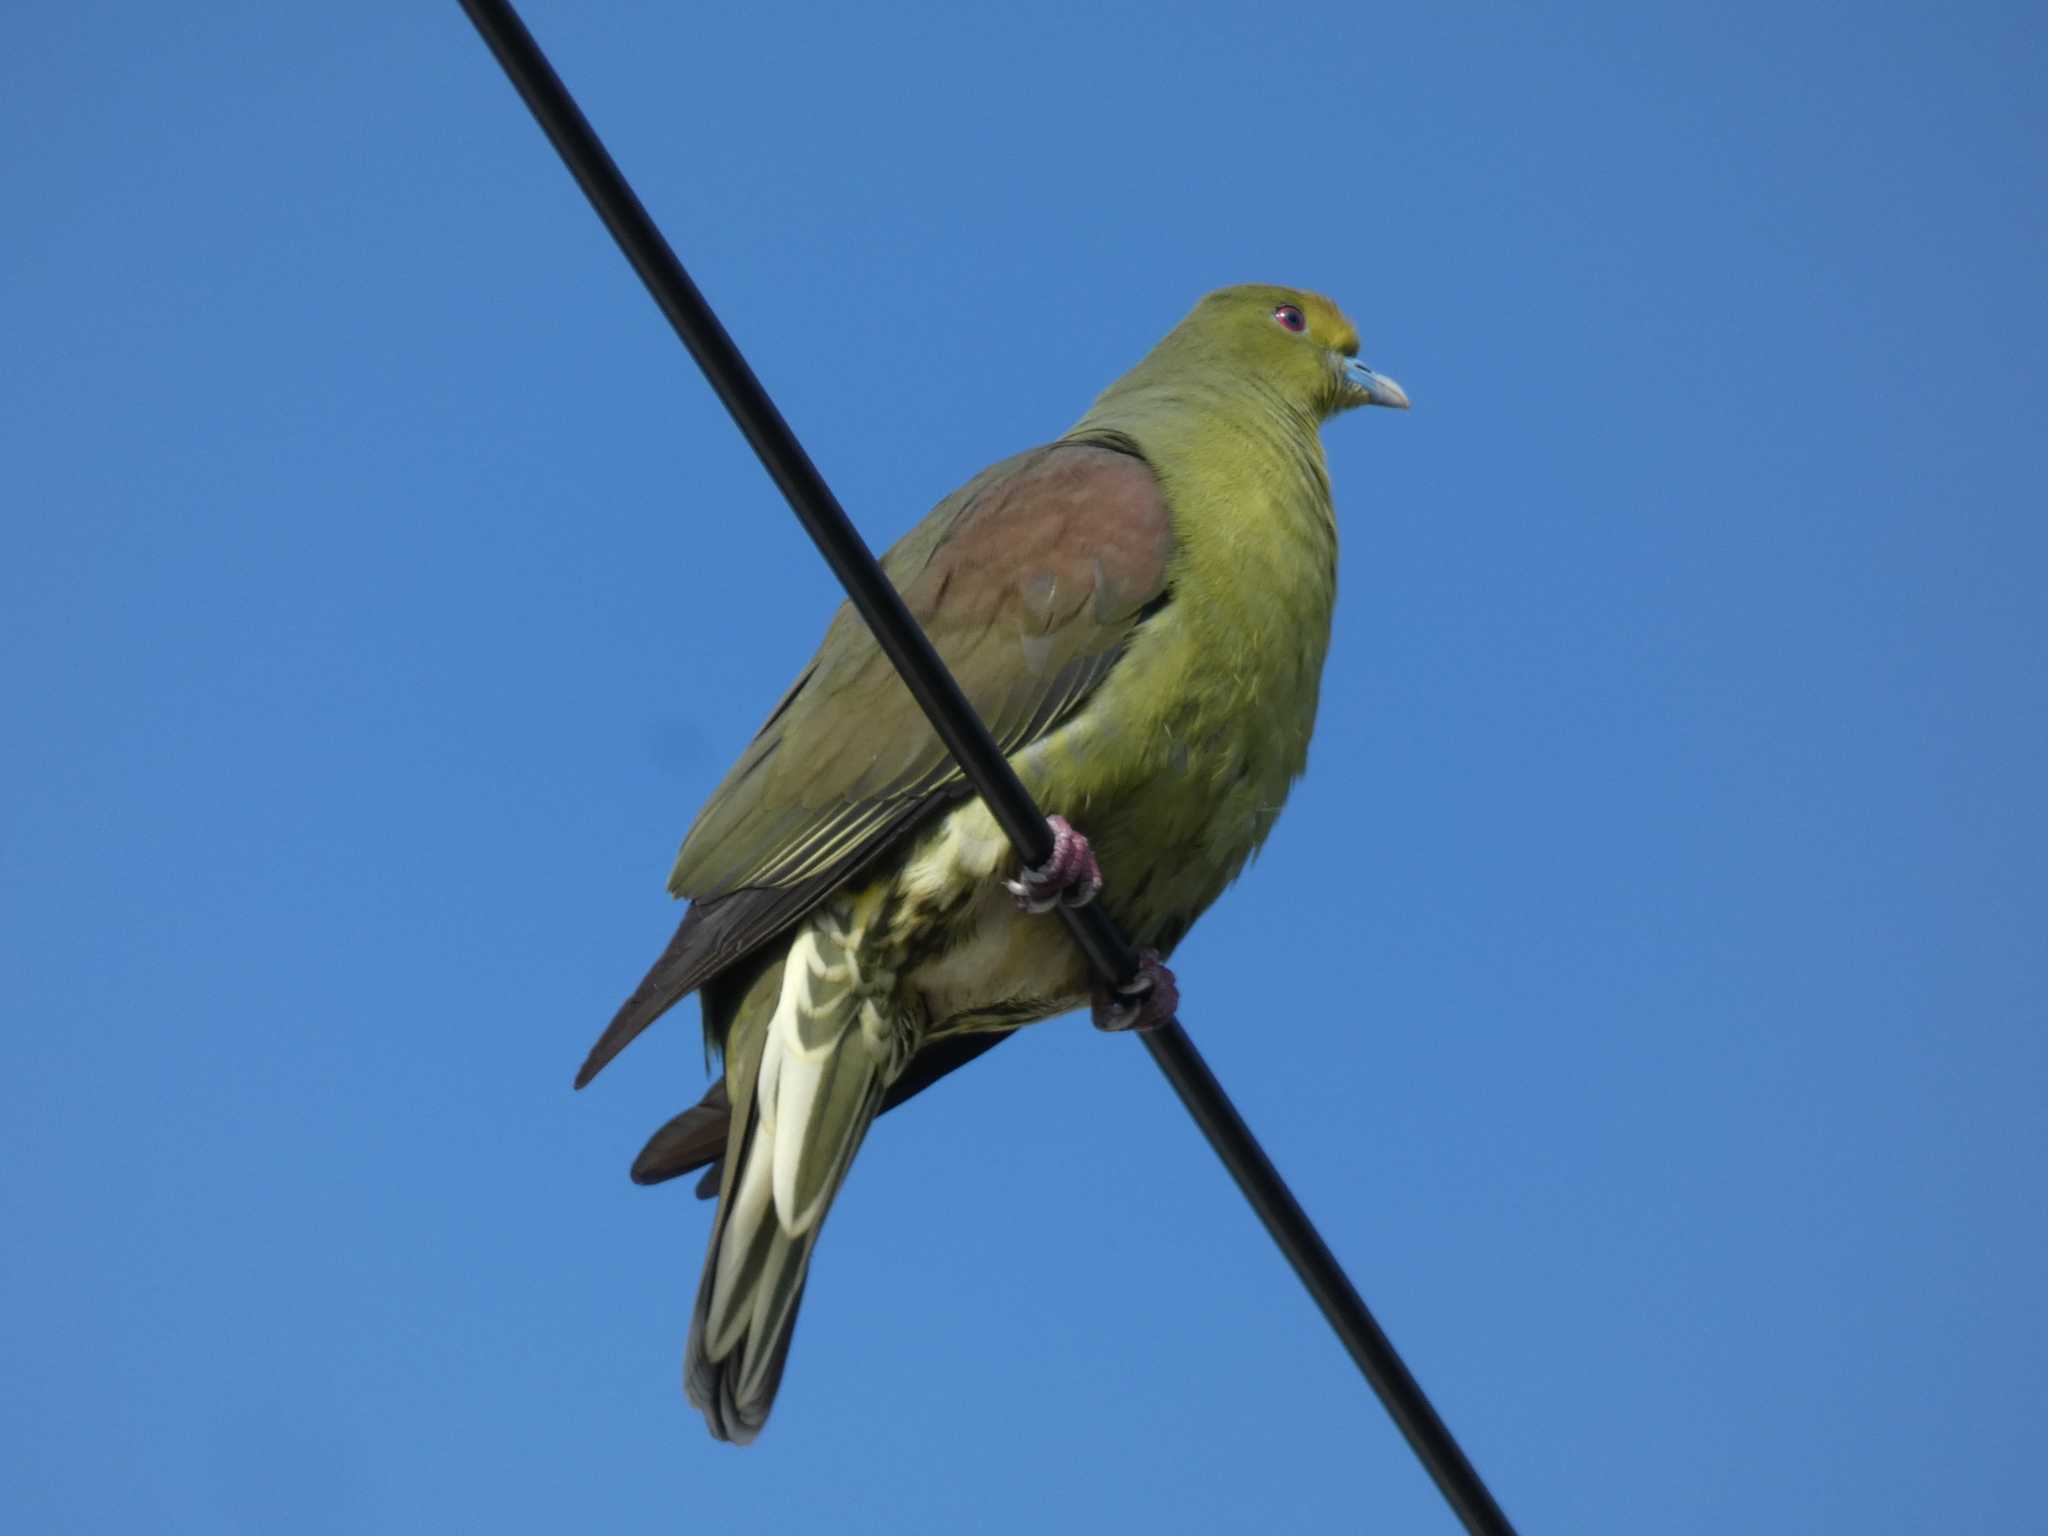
(1291, 318)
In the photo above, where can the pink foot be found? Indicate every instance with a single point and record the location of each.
(1069, 875)
(1151, 1000)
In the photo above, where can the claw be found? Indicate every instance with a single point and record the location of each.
(1151, 999)
(1070, 874)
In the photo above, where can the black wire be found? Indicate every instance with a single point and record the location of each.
(980, 759)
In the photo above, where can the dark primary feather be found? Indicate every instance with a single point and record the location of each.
(1029, 581)
(692, 1140)
(718, 933)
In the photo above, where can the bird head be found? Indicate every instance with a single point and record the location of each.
(1296, 343)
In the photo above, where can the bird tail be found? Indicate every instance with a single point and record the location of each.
(807, 1064)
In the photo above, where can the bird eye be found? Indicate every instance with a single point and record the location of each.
(1290, 317)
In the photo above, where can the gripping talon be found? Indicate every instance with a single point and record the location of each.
(1152, 998)
(1069, 874)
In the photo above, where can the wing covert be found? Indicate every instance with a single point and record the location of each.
(1029, 580)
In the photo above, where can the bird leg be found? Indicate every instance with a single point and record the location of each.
(1069, 874)
(1151, 999)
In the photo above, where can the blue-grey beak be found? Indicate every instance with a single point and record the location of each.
(1376, 388)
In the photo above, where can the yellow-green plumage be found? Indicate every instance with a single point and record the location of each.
(1140, 612)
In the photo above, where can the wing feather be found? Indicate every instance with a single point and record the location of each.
(1029, 580)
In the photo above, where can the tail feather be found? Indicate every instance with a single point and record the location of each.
(806, 1080)
(715, 1389)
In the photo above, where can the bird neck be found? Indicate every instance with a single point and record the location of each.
(1239, 462)
(1255, 533)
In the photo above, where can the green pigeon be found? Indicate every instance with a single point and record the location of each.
(1139, 612)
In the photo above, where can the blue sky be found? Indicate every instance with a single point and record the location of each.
(1645, 988)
